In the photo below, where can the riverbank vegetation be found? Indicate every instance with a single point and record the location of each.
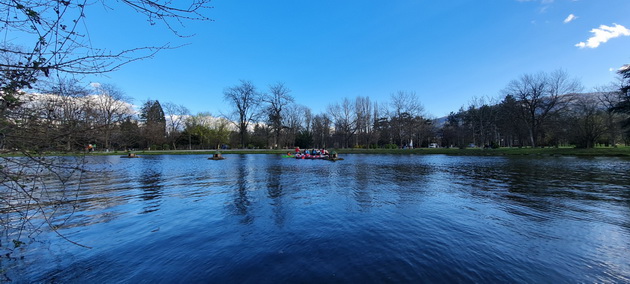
(602, 151)
(537, 110)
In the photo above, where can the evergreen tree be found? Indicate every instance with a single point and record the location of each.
(624, 105)
(154, 120)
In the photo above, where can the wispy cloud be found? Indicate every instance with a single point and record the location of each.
(543, 9)
(603, 34)
(544, 4)
(570, 18)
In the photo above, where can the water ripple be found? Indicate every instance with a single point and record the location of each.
(369, 218)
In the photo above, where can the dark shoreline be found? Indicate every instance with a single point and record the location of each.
(550, 151)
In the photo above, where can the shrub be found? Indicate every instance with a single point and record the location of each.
(390, 146)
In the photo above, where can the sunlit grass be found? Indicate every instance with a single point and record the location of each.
(620, 151)
(547, 151)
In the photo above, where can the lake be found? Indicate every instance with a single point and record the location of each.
(366, 219)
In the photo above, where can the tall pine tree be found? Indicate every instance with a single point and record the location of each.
(624, 105)
(152, 115)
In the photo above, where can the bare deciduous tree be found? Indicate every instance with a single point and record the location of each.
(246, 102)
(297, 119)
(364, 111)
(482, 116)
(344, 119)
(540, 96)
(55, 121)
(53, 37)
(587, 120)
(176, 116)
(405, 107)
(70, 108)
(110, 106)
(277, 99)
(322, 125)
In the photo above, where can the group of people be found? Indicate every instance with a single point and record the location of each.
(312, 153)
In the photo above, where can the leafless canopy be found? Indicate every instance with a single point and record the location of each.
(246, 102)
(52, 37)
(540, 96)
(49, 38)
(278, 98)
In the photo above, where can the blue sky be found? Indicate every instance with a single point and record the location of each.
(446, 51)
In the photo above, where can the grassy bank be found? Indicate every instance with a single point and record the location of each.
(604, 152)
(595, 152)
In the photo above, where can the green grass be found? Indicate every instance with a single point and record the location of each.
(550, 151)
(608, 152)
(562, 151)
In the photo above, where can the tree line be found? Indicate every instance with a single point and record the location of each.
(542, 109)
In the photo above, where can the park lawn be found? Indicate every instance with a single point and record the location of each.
(623, 151)
(547, 151)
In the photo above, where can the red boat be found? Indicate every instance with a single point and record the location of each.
(311, 157)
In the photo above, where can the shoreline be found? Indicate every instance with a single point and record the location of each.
(593, 152)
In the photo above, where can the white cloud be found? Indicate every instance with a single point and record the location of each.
(570, 18)
(544, 4)
(603, 34)
(543, 9)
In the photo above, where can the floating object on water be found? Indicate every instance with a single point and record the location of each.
(130, 155)
(310, 157)
(332, 157)
(216, 157)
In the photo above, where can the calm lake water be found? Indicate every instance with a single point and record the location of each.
(367, 219)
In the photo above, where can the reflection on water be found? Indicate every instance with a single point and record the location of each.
(243, 178)
(151, 184)
(369, 218)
